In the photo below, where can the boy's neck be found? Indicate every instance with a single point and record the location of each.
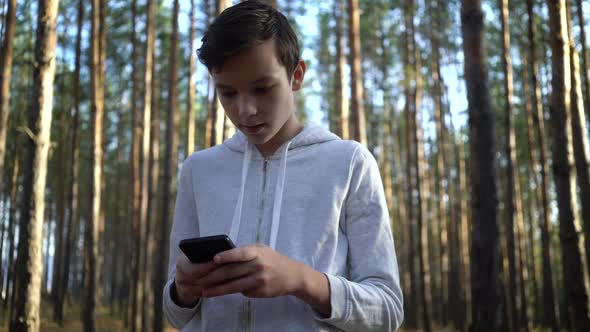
(290, 129)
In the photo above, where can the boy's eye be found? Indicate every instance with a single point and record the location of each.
(263, 89)
(227, 94)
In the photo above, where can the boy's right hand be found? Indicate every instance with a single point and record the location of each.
(188, 275)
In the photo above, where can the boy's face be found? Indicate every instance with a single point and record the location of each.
(257, 96)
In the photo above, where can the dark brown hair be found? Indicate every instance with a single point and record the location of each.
(244, 25)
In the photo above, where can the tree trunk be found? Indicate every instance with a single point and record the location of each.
(169, 172)
(412, 319)
(549, 316)
(145, 155)
(154, 163)
(513, 209)
(584, 55)
(120, 216)
(136, 230)
(465, 230)
(190, 110)
(358, 128)
(575, 290)
(10, 280)
(442, 293)
(5, 75)
(73, 216)
(420, 173)
(216, 116)
(484, 201)
(580, 142)
(60, 196)
(31, 227)
(91, 238)
(342, 110)
(531, 197)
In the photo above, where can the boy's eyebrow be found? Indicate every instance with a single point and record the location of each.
(262, 80)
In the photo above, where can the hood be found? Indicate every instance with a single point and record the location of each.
(311, 134)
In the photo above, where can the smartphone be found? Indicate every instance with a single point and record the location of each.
(203, 249)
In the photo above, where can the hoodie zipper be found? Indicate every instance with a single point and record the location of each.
(260, 217)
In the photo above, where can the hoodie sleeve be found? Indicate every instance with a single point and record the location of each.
(185, 225)
(370, 299)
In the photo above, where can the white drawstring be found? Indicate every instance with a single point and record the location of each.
(276, 208)
(235, 224)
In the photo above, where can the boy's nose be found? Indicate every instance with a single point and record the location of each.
(246, 107)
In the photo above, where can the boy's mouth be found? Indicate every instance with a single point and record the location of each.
(253, 129)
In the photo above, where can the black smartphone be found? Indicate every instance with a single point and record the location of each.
(203, 249)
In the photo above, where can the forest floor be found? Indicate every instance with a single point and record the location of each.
(105, 322)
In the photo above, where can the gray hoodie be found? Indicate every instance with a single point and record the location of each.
(318, 200)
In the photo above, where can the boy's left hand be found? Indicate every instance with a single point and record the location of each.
(255, 271)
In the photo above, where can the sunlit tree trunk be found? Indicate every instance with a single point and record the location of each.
(560, 108)
(218, 120)
(412, 298)
(342, 110)
(442, 292)
(136, 149)
(10, 280)
(464, 216)
(531, 195)
(5, 75)
(484, 199)
(31, 226)
(154, 163)
(170, 165)
(145, 271)
(358, 127)
(513, 208)
(91, 238)
(580, 142)
(584, 68)
(72, 222)
(190, 100)
(549, 316)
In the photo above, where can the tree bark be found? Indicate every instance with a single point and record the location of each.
(573, 276)
(5, 76)
(136, 230)
(412, 319)
(31, 227)
(549, 316)
(484, 201)
(420, 173)
(91, 236)
(72, 222)
(531, 195)
(190, 110)
(513, 208)
(169, 171)
(580, 142)
(10, 280)
(342, 110)
(358, 129)
(584, 55)
(145, 166)
(154, 161)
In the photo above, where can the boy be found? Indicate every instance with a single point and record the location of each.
(306, 210)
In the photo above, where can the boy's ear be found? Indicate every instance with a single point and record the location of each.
(298, 75)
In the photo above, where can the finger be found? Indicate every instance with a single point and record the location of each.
(234, 286)
(242, 254)
(228, 272)
(191, 271)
